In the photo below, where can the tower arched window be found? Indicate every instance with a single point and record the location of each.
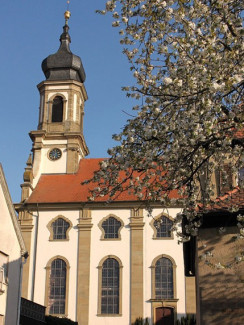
(163, 227)
(57, 288)
(164, 279)
(57, 109)
(111, 227)
(110, 287)
(60, 227)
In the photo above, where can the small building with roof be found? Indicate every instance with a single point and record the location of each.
(12, 258)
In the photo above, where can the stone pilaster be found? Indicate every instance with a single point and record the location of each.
(26, 226)
(190, 295)
(84, 249)
(136, 269)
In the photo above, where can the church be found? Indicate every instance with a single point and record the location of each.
(95, 262)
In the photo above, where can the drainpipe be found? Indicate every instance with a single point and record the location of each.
(35, 253)
(25, 255)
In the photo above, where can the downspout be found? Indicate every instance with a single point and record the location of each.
(25, 255)
(34, 255)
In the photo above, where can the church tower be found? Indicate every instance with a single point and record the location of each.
(58, 143)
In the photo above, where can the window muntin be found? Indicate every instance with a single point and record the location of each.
(57, 293)
(111, 227)
(57, 109)
(110, 287)
(163, 227)
(164, 285)
(60, 227)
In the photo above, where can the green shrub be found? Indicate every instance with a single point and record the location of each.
(140, 321)
(187, 320)
(52, 320)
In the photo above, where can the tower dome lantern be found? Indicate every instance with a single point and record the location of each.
(64, 65)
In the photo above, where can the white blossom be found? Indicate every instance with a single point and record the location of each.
(187, 59)
(167, 80)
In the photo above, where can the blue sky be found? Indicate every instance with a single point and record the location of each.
(30, 31)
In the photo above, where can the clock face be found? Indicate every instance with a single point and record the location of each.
(55, 154)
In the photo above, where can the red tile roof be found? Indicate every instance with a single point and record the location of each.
(68, 188)
(232, 199)
(240, 134)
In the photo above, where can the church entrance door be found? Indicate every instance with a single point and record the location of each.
(164, 316)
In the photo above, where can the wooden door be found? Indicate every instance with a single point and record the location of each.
(164, 316)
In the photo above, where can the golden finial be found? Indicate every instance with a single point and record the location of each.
(67, 13)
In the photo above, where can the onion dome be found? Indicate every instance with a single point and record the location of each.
(64, 65)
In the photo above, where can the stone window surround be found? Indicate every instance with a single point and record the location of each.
(50, 228)
(172, 303)
(50, 107)
(155, 230)
(47, 284)
(100, 287)
(102, 230)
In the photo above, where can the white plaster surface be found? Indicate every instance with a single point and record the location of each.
(44, 165)
(10, 246)
(47, 249)
(101, 249)
(75, 107)
(154, 248)
(57, 87)
(64, 93)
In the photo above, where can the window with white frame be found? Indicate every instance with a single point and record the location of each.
(3, 269)
(1, 279)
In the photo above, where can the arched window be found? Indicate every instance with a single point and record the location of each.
(163, 227)
(57, 288)
(164, 280)
(111, 227)
(60, 227)
(110, 287)
(57, 109)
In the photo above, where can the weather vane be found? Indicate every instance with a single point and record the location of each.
(67, 13)
(68, 2)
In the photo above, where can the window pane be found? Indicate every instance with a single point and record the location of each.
(163, 226)
(164, 287)
(60, 227)
(110, 287)
(57, 287)
(111, 227)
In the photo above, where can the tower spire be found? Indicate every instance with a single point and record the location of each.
(67, 13)
(64, 65)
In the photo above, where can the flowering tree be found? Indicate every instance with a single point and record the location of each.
(187, 58)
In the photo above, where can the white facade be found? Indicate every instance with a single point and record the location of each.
(12, 249)
(47, 249)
